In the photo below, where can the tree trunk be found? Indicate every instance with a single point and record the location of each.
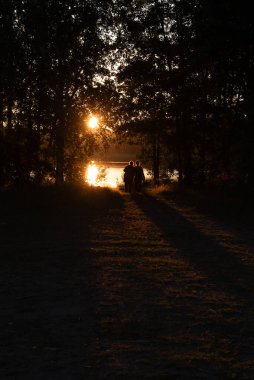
(188, 174)
(202, 169)
(156, 160)
(9, 113)
(60, 154)
(2, 158)
(180, 167)
(60, 139)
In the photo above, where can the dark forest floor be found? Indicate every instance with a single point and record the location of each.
(96, 284)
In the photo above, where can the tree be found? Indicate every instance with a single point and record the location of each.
(188, 75)
(51, 56)
(154, 79)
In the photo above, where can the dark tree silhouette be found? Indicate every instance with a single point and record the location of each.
(51, 54)
(188, 76)
(175, 75)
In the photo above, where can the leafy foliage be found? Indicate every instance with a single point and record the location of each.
(189, 80)
(176, 76)
(50, 56)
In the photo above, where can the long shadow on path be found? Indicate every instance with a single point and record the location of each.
(178, 305)
(221, 266)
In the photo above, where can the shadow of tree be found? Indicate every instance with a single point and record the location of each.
(220, 265)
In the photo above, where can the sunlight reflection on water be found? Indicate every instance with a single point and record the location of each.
(106, 174)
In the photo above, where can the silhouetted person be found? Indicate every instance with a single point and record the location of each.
(128, 176)
(139, 176)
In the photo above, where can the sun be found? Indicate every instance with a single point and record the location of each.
(93, 122)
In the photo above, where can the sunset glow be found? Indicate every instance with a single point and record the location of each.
(93, 122)
(92, 174)
(103, 176)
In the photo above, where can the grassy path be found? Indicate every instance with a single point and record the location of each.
(176, 294)
(130, 287)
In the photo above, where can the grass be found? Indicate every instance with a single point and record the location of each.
(50, 199)
(51, 213)
(224, 203)
(159, 311)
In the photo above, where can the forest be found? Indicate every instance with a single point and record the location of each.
(174, 76)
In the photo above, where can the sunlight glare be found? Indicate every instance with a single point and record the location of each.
(92, 174)
(98, 175)
(93, 122)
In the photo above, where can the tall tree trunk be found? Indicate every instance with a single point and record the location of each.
(180, 166)
(187, 149)
(250, 131)
(2, 155)
(188, 170)
(60, 153)
(60, 139)
(202, 169)
(156, 160)
(9, 113)
(179, 149)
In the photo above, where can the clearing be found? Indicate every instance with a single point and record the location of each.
(105, 285)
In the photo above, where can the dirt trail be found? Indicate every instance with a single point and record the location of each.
(152, 289)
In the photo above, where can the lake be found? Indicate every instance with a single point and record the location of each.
(107, 174)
